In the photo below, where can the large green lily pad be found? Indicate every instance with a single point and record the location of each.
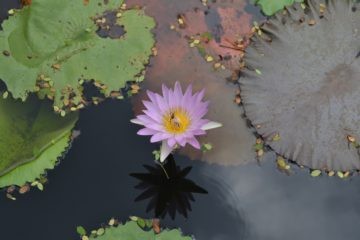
(132, 231)
(53, 46)
(31, 130)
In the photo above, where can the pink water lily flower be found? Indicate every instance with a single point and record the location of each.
(174, 118)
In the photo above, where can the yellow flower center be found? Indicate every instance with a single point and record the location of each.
(176, 121)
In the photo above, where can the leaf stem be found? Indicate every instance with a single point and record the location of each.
(167, 176)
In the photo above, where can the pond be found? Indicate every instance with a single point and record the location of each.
(249, 201)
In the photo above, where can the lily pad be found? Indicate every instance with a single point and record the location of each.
(132, 231)
(31, 131)
(53, 47)
(31, 171)
(309, 90)
(270, 7)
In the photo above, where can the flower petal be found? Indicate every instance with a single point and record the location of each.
(157, 137)
(162, 104)
(186, 101)
(151, 95)
(165, 151)
(155, 116)
(194, 142)
(178, 95)
(137, 121)
(180, 139)
(199, 96)
(171, 142)
(165, 92)
(146, 119)
(146, 132)
(211, 125)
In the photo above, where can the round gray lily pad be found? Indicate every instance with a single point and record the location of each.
(301, 86)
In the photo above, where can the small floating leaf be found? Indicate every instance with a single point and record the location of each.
(81, 230)
(315, 173)
(40, 186)
(9, 196)
(133, 218)
(206, 147)
(5, 94)
(100, 231)
(260, 153)
(340, 174)
(258, 71)
(148, 223)
(141, 222)
(112, 222)
(276, 137)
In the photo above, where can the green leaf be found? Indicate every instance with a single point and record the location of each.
(141, 222)
(33, 138)
(57, 41)
(132, 231)
(174, 234)
(258, 146)
(100, 231)
(148, 223)
(40, 186)
(315, 173)
(27, 130)
(81, 230)
(270, 7)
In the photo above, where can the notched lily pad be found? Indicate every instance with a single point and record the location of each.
(309, 89)
(134, 230)
(32, 138)
(53, 46)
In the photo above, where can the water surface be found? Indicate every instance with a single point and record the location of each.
(92, 184)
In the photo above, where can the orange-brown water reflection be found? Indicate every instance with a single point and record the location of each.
(177, 61)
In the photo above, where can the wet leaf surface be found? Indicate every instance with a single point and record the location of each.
(50, 46)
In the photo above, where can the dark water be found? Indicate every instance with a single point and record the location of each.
(92, 184)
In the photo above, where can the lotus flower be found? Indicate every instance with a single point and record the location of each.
(174, 118)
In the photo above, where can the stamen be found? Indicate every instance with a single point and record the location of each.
(176, 121)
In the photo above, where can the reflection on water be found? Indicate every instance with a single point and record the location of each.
(294, 207)
(92, 184)
(168, 191)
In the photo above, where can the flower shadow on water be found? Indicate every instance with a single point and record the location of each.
(167, 194)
